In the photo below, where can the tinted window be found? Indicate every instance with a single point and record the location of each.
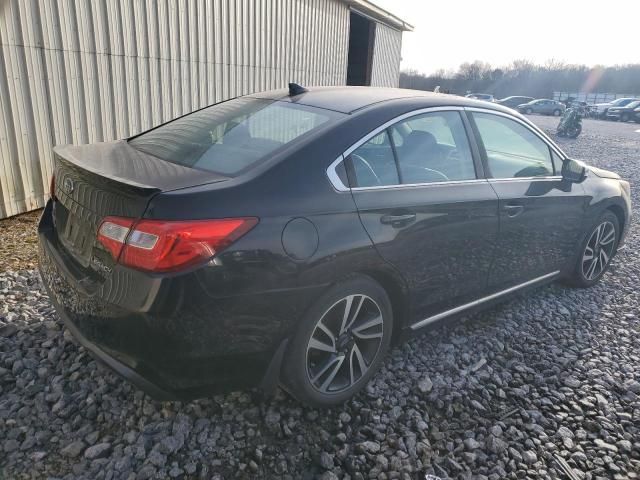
(373, 164)
(433, 147)
(512, 149)
(232, 136)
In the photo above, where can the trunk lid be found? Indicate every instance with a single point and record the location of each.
(112, 178)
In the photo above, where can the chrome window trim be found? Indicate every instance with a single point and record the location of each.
(341, 187)
(526, 179)
(479, 301)
(333, 176)
(426, 184)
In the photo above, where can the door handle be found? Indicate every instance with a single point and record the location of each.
(513, 210)
(398, 220)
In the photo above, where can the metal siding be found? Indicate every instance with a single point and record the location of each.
(80, 71)
(385, 71)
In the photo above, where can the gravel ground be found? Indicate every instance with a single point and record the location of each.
(18, 241)
(546, 386)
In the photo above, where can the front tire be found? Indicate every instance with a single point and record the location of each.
(339, 344)
(528, 111)
(556, 113)
(596, 251)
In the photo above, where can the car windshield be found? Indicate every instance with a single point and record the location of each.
(634, 104)
(233, 136)
(621, 102)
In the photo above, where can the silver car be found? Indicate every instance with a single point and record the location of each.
(602, 109)
(544, 106)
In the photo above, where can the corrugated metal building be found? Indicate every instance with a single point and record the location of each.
(82, 71)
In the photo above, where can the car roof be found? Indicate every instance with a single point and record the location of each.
(351, 99)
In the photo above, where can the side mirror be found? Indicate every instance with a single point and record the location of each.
(573, 170)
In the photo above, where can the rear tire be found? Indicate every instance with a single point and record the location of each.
(597, 249)
(528, 111)
(574, 131)
(340, 343)
(556, 113)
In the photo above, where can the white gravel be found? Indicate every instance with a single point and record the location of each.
(546, 386)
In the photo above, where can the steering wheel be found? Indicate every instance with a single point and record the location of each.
(453, 156)
(437, 173)
(425, 174)
(367, 167)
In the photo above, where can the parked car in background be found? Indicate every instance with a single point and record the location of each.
(601, 109)
(482, 96)
(544, 106)
(623, 114)
(387, 211)
(513, 101)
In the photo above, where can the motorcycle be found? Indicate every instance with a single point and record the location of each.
(571, 123)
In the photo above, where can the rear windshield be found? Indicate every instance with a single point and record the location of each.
(231, 137)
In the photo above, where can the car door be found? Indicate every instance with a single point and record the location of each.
(541, 214)
(537, 107)
(422, 199)
(542, 106)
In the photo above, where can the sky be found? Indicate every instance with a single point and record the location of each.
(450, 32)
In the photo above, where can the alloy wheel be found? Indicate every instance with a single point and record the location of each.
(599, 250)
(344, 344)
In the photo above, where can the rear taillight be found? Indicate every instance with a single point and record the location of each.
(166, 246)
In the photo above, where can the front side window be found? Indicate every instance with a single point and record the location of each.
(232, 136)
(433, 147)
(512, 150)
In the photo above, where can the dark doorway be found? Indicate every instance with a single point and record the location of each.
(361, 35)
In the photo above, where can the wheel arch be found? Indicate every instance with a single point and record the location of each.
(397, 291)
(618, 211)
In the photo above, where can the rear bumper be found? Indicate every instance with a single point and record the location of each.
(171, 335)
(120, 368)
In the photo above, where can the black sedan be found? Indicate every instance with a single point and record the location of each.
(623, 114)
(292, 237)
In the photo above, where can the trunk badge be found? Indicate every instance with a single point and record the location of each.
(68, 185)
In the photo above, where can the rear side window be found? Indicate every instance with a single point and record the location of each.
(433, 147)
(231, 137)
(512, 150)
(372, 164)
(426, 148)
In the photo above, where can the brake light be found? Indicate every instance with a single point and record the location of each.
(165, 246)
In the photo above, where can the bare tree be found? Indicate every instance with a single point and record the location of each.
(523, 77)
